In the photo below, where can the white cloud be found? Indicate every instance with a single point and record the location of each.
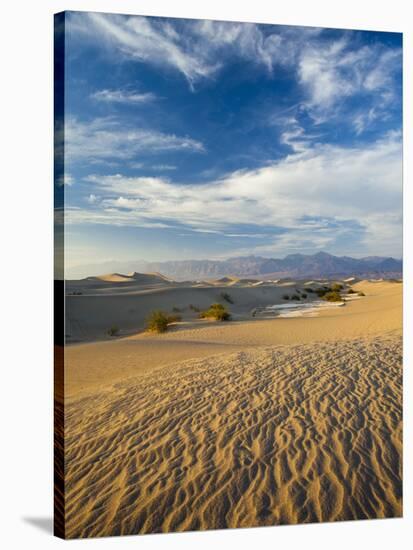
(331, 72)
(294, 135)
(380, 73)
(359, 186)
(117, 218)
(65, 179)
(268, 46)
(151, 41)
(154, 167)
(297, 240)
(320, 73)
(123, 96)
(104, 138)
(197, 49)
(364, 119)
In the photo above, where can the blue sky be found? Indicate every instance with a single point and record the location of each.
(205, 139)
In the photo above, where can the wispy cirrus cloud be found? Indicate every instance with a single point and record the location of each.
(332, 72)
(329, 71)
(123, 96)
(363, 119)
(106, 138)
(146, 40)
(196, 49)
(268, 47)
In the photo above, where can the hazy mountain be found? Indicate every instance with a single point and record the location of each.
(293, 265)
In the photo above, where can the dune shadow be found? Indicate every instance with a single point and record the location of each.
(45, 524)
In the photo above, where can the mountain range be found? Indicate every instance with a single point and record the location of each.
(318, 265)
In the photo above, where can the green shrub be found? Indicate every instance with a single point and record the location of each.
(194, 308)
(286, 297)
(332, 296)
(225, 296)
(176, 309)
(217, 312)
(320, 292)
(295, 297)
(157, 321)
(113, 331)
(310, 289)
(304, 295)
(336, 287)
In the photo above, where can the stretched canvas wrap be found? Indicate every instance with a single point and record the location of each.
(228, 274)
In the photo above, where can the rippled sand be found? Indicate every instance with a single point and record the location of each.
(270, 435)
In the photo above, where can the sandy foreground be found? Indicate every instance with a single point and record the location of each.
(249, 423)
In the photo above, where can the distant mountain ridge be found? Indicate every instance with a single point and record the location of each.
(321, 264)
(317, 265)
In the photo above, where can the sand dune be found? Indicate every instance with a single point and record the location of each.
(91, 366)
(142, 278)
(93, 306)
(248, 423)
(89, 316)
(281, 435)
(112, 278)
(115, 282)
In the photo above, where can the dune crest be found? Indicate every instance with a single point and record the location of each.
(134, 277)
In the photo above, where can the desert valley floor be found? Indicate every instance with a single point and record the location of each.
(252, 422)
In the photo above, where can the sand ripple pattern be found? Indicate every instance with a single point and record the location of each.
(271, 436)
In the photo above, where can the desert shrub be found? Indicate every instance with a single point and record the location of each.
(157, 321)
(113, 331)
(310, 289)
(174, 318)
(225, 296)
(295, 297)
(332, 296)
(298, 291)
(304, 295)
(336, 287)
(360, 293)
(350, 291)
(286, 297)
(320, 292)
(176, 309)
(194, 308)
(217, 312)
